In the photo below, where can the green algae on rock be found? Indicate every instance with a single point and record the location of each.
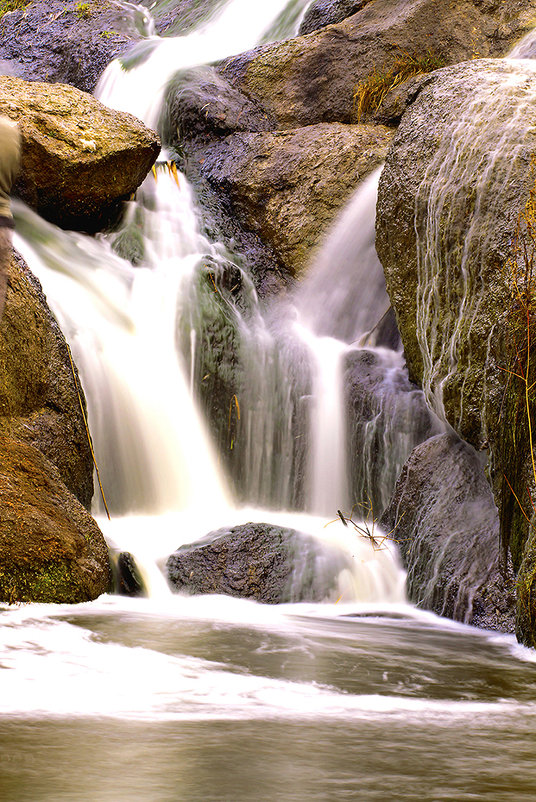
(51, 549)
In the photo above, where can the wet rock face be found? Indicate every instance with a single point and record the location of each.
(201, 103)
(39, 402)
(287, 187)
(64, 42)
(79, 158)
(387, 418)
(313, 78)
(257, 561)
(456, 181)
(444, 519)
(51, 549)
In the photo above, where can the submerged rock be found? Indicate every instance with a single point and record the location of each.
(263, 562)
(79, 158)
(313, 78)
(287, 187)
(444, 519)
(40, 394)
(51, 549)
(457, 185)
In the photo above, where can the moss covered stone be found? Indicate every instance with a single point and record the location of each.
(51, 549)
(79, 158)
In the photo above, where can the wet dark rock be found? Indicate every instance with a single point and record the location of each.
(127, 577)
(312, 79)
(64, 42)
(200, 103)
(40, 394)
(79, 158)
(387, 417)
(456, 245)
(263, 562)
(326, 12)
(51, 549)
(444, 519)
(288, 187)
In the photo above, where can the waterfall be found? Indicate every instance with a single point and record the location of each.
(140, 305)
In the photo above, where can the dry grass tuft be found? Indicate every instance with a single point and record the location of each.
(370, 93)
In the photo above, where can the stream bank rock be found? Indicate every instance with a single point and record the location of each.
(443, 517)
(312, 79)
(51, 549)
(258, 561)
(64, 42)
(40, 393)
(79, 158)
(288, 186)
(453, 219)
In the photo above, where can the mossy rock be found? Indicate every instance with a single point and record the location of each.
(51, 549)
(80, 159)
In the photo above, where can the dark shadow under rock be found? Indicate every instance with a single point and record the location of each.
(258, 561)
(444, 518)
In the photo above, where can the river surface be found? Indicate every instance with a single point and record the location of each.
(221, 699)
(173, 697)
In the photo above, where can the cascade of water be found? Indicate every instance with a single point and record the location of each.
(125, 324)
(150, 443)
(343, 295)
(236, 26)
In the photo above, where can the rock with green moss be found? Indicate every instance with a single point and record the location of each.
(51, 549)
(288, 187)
(41, 399)
(79, 158)
(63, 41)
(311, 79)
(457, 179)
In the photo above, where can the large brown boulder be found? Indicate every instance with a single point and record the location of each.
(51, 550)
(288, 186)
(457, 179)
(313, 78)
(39, 389)
(79, 158)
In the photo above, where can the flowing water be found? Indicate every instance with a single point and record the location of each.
(176, 697)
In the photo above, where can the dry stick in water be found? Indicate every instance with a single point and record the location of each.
(87, 433)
